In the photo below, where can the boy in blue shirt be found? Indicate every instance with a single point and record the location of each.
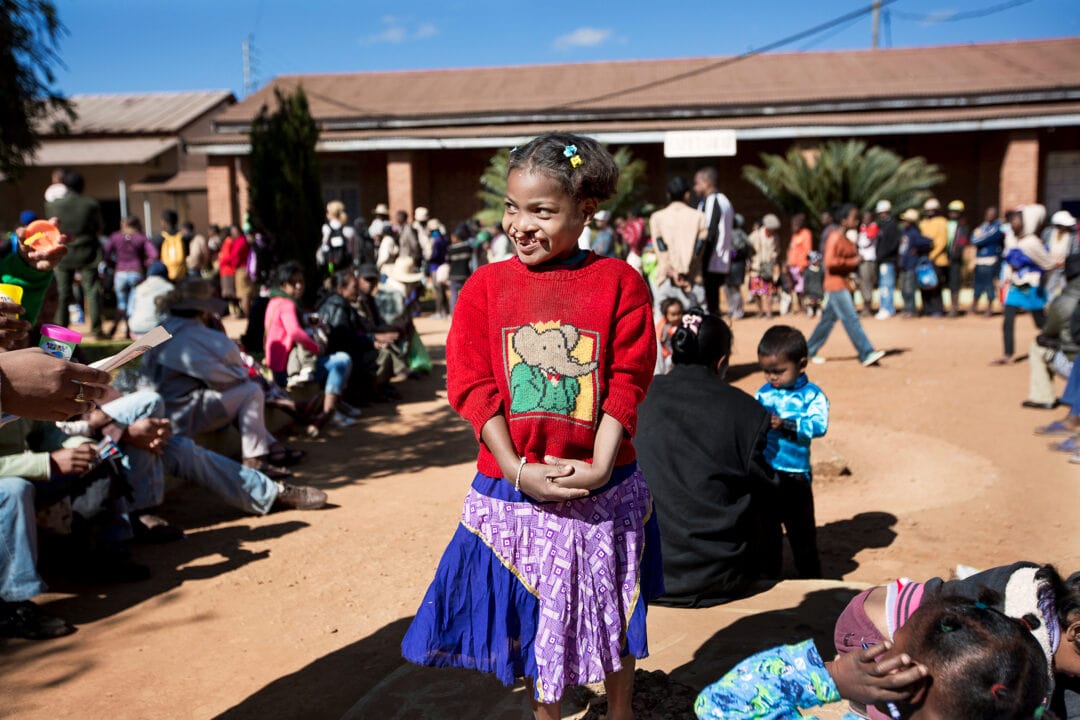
(800, 413)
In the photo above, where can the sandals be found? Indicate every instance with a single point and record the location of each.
(1068, 445)
(285, 456)
(269, 470)
(1057, 427)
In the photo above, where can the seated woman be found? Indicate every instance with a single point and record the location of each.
(284, 333)
(204, 381)
(703, 458)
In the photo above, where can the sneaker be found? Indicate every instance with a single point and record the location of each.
(817, 360)
(341, 421)
(348, 410)
(1075, 458)
(873, 358)
(883, 315)
(299, 497)
(25, 620)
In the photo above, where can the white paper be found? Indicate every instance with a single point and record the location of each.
(151, 339)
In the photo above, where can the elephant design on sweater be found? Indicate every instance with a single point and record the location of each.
(549, 378)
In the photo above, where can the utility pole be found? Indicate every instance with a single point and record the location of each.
(877, 24)
(245, 49)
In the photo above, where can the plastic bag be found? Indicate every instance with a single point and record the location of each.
(417, 358)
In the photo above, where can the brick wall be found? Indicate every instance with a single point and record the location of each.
(400, 178)
(1020, 169)
(220, 190)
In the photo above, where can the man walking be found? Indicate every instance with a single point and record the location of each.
(80, 220)
(716, 258)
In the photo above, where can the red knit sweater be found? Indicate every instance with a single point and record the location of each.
(551, 350)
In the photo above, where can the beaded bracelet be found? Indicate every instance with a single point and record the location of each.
(517, 480)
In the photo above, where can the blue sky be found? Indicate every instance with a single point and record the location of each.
(124, 46)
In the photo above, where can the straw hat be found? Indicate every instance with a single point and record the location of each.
(381, 209)
(771, 222)
(421, 214)
(931, 204)
(956, 206)
(402, 271)
(194, 294)
(910, 215)
(883, 206)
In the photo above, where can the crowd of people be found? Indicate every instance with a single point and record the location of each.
(616, 465)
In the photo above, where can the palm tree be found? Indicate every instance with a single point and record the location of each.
(812, 181)
(493, 185)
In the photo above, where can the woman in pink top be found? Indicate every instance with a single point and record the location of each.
(284, 332)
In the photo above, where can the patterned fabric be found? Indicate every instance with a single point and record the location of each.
(771, 685)
(581, 560)
(805, 410)
(759, 287)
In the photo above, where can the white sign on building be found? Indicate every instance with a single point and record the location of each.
(699, 143)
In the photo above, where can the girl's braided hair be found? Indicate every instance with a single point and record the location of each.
(580, 164)
(986, 665)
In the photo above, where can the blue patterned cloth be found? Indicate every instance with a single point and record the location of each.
(771, 685)
(805, 411)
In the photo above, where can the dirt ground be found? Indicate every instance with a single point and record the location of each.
(299, 614)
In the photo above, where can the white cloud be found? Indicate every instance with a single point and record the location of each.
(938, 17)
(582, 37)
(397, 30)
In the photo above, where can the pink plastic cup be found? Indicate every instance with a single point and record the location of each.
(59, 341)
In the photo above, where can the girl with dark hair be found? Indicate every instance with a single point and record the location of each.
(284, 332)
(704, 459)
(972, 662)
(548, 356)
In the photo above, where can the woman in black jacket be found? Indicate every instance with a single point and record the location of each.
(700, 445)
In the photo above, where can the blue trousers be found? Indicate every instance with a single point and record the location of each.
(984, 285)
(242, 487)
(18, 541)
(840, 307)
(887, 287)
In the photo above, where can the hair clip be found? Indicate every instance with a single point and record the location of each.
(692, 322)
(570, 151)
(981, 605)
(996, 689)
(1039, 711)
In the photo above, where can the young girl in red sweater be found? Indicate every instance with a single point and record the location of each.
(548, 357)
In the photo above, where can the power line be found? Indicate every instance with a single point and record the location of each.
(855, 14)
(969, 15)
(826, 36)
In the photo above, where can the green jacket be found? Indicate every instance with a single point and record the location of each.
(80, 219)
(30, 461)
(15, 271)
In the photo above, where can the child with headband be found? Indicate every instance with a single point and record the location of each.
(548, 357)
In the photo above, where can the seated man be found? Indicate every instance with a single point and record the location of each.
(367, 305)
(137, 423)
(38, 386)
(1054, 350)
(144, 312)
(346, 332)
(204, 382)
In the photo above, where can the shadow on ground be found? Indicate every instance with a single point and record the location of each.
(841, 540)
(813, 618)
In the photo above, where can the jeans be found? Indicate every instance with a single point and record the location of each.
(334, 369)
(124, 282)
(984, 285)
(887, 287)
(908, 286)
(841, 307)
(242, 487)
(18, 541)
(1071, 396)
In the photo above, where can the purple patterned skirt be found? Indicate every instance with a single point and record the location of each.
(551, 591)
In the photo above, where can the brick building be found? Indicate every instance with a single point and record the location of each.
(131, 149)
(1002, 120)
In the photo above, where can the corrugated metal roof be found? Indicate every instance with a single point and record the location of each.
(143, 113)
(118, 151)
(762, 85)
